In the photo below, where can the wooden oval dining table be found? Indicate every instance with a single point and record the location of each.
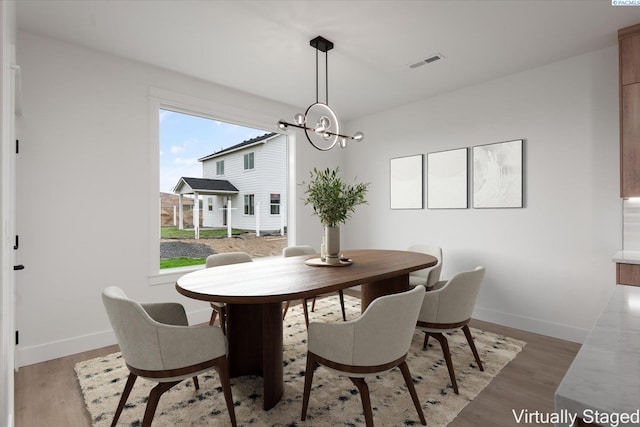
(254, 292)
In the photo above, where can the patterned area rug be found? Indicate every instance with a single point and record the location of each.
(334, 399)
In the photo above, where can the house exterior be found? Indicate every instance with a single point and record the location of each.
(251, 177)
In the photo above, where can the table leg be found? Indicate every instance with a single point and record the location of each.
(373, 290)
(254, 333)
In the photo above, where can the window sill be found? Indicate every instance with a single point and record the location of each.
(171, 275)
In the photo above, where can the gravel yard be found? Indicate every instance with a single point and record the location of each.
(255, 246)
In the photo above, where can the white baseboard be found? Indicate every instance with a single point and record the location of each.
(53, 350)
(537, 326)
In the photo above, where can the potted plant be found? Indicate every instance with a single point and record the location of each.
(333, 201)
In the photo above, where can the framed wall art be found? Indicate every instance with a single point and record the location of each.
(406, 182)
(447, 179)
(498, 175)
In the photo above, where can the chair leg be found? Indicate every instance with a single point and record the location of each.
(196, 384)
(308, 379)
(214, 313)
(313, 304)
(467, 333)
(366, 401)
(223, 373)
(341, 295)
(412, 390)
(447, 357)
(426, 340)
(123, 399)
(152, 402)
(286, 307)
(306, 312)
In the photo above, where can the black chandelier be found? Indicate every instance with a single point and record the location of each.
(325, 134)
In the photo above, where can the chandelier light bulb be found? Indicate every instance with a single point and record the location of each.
(299, 119)
(282, 125)
(358, 136)
(343, 143)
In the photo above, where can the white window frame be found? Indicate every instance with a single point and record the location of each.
(272, 204)
(165, 99)
(249, 161)
(249, 204)
(219, 167)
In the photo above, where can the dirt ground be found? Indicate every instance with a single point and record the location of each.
(255, 246)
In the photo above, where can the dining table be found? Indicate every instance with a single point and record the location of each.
(254, 293)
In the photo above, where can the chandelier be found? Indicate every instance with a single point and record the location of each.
(320, 122)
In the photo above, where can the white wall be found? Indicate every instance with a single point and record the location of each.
(85, 174)
(549, 267)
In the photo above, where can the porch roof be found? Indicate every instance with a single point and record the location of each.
(204, 186)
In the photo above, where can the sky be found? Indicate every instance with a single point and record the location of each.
(185, 138)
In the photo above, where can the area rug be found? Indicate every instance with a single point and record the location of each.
(334, 399)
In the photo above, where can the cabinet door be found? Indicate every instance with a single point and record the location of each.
(630, 142)
(630, 60)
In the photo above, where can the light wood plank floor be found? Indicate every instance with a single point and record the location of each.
(48, 394)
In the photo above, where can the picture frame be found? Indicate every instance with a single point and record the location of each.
(498, 175)
(448, 179)
(406, 182)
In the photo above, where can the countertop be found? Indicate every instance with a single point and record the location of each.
(605, 375)
(627, 257)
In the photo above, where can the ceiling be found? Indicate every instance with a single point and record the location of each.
(262, 47)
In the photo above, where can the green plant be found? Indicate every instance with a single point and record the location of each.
(332, 199)
(180, 262)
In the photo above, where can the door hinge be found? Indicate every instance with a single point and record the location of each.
(17, 337)
(17, 245)
(17, 146)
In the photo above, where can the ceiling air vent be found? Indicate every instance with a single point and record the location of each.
(429, 60)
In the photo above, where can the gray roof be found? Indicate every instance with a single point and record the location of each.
(244, 143)
(205, 185)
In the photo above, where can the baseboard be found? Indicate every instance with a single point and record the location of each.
(537, 326)
(53, 350)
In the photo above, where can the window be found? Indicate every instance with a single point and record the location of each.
(186, 135)
(248, 161)
(275, 204)
(248, 204)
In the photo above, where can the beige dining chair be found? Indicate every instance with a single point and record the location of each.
(430, 276)
(158, 344)
(216, 260)
(376, 342)
(448, 309)
(290, 251)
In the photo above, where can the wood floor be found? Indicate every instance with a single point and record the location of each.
(48, 394)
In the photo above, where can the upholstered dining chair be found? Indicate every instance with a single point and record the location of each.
(448, 309)
(217, 260)
(429, 277)
(158, 344)
(307, 250)
(376, 342)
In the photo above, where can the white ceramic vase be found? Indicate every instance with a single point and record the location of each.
(332, 244)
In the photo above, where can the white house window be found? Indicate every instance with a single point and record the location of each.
(220, 167)
(275, 204)
(249, 204)
(248, 161)
(210, 204)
